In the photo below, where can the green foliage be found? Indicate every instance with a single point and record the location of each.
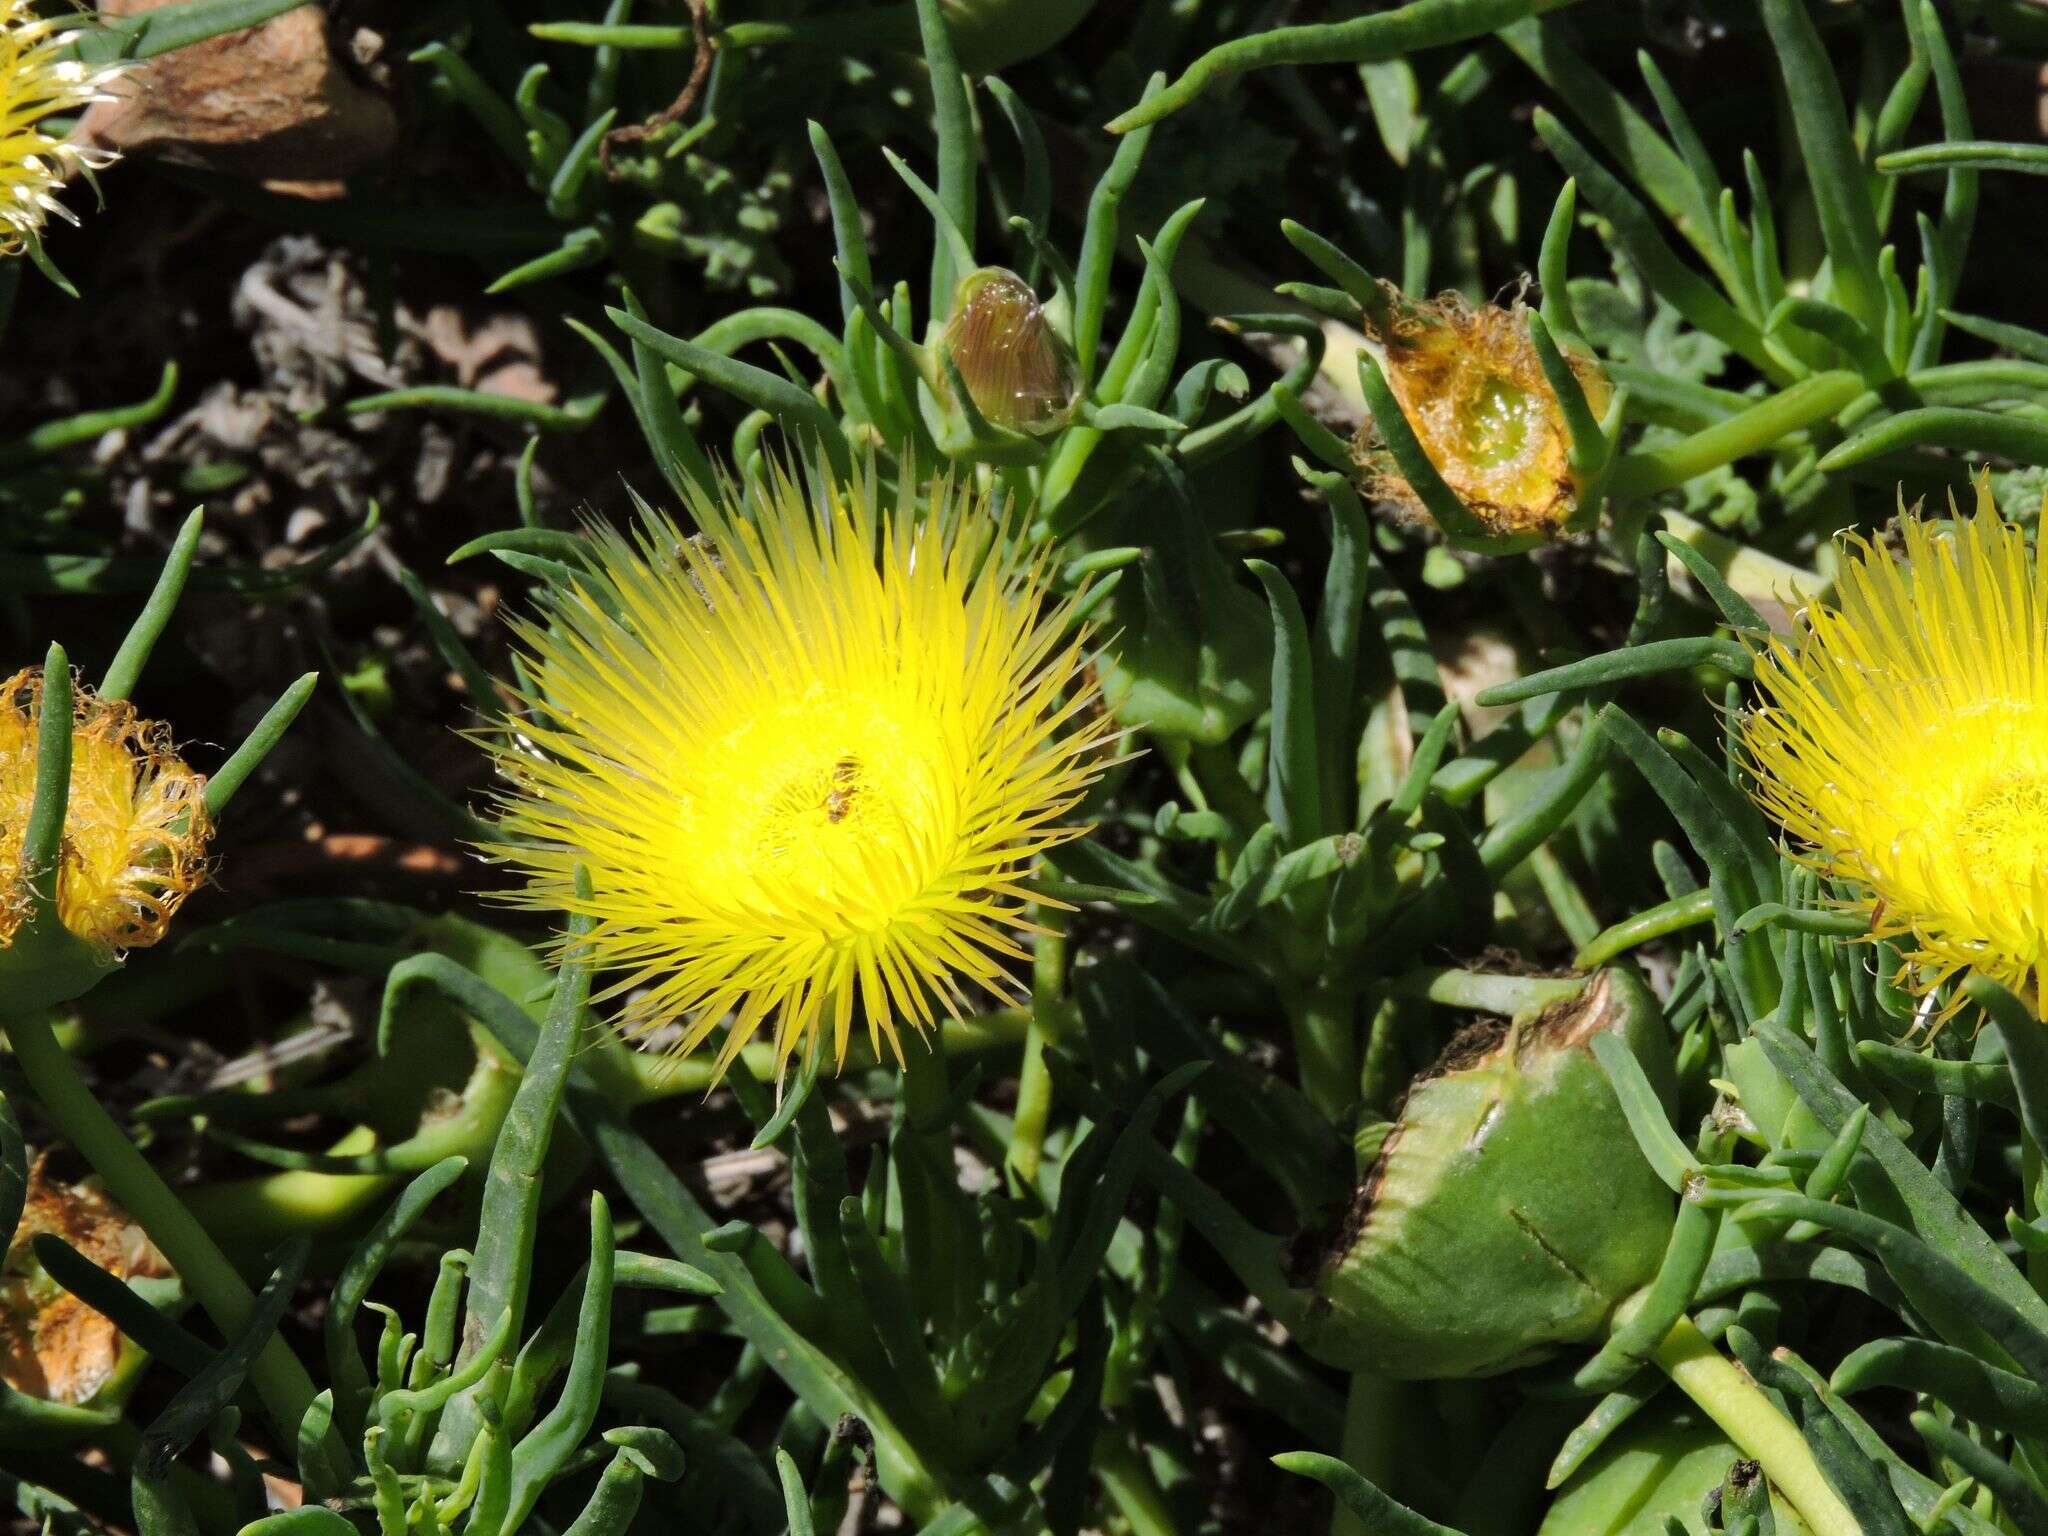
(1247, 1161)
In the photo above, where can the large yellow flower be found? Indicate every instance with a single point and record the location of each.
(1904, 737)
(807, 758)
(135, 827)
(39, 80)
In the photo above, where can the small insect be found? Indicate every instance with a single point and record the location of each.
(839, 799)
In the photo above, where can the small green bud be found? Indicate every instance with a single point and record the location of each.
(1510, 1210)
(1020, 372)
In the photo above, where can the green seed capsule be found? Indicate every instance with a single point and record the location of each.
(1510, 1210)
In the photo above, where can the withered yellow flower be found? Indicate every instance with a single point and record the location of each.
(39, 81)
(1903, 737)
(1471, 385)
(808, 759)
(135, 830)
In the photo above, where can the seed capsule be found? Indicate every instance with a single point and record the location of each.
(1472, 388)
(1510, 1210)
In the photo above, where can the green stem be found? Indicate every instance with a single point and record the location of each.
(1034, 1081)
(656, 1077)
(1753, 1422)
(1370, 1414)
(1130, 1483)
(1681, 912)
(1215, 769)
(1567, 900)
(1326, 1048)
(1764, 425)
(1483, 992)
(279, 1379)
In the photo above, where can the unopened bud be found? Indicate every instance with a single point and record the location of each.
(1019, 370)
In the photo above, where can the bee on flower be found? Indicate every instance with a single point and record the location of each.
(41, 80)
(135, 827)
(808, 758)
(1903, 738)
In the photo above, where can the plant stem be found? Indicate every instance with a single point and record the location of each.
(1130, 1483)
(1326, 1047)
(658, 1077)
(1216, 770)
(1679, 913)
(1764, 425)
(1369, 1418)
(1753, 1422)
(279, 1379)
(1034, 1082)
(1483, 992)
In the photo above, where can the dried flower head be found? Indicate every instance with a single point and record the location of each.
(39, 80)
(1471, 385)
(135, 830)
(1019, 370)
(52, 1345)
(1903, 737)
(807, 759)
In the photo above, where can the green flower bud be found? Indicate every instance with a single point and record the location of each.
(1668, 1463)
(1510, 1210)
(1019, 371)
(991, 35)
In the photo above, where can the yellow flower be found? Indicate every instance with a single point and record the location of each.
(1473, 390)
(38, 81)
(1904, 738)
(807, 759)
(135, 830)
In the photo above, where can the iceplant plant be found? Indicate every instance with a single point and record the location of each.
(112, 832)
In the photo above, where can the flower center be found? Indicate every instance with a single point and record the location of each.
(2004, 823)
(1496, 424)
(825, 814)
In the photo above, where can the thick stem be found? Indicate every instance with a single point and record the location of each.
(1129, 1482)
(1034, 1081)
(664, 1077)
(1750, 1419)
(1764, 425)
(1370, 1412)
(1326, 1048)
(279, 1379)
(1485, 992)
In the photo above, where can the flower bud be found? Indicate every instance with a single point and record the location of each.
(1510, 1209)
(134, 843)
(1472, 388)
(991, 35)
(1019, 370)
